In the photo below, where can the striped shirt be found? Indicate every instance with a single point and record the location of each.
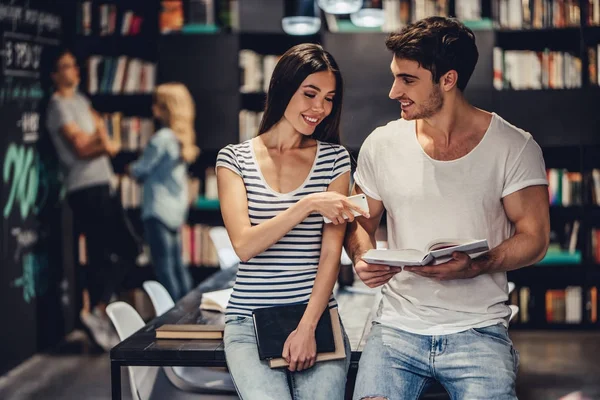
(284, 273)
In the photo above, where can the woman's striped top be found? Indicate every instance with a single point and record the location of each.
(284, 273)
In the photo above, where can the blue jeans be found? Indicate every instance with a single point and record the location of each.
(479, 363)
(165, 250)
(255, 380)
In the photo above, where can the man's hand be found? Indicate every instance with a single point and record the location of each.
(459, 267)
(374, 275)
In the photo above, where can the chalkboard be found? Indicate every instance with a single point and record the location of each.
(26, 29)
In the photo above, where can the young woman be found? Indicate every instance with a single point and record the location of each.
(163, 170)
(274, 191)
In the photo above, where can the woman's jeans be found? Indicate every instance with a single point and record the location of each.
(165, 250)
(255, 380)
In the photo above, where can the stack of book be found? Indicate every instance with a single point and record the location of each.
(211, 301)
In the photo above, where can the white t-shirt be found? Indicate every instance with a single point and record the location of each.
(427, 199)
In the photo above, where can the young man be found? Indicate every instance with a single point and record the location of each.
(83, 146)
(445, 170)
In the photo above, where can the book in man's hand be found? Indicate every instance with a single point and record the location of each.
(437, 251)
(273, 325)
(190, 331)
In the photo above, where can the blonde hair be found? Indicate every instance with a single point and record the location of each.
(179, 114)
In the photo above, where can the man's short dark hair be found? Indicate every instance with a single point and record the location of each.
(52, 55)
(439, 45)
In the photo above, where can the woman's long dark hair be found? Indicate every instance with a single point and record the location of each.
(292, 69)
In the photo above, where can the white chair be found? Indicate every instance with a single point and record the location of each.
(511, 287)
(514, 310)
(150, 383)
(189, 379)
(225, 251)
(127, 321)
(159, 296)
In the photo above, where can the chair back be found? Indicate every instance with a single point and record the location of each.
(159, 296)
(225, 251)
(127, 321)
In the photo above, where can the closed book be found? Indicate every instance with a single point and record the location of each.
(273, 325)
(190, 331)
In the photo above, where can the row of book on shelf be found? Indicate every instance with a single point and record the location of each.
(539, 14)
(256, 70)
(566, 188)
(132, 133)
(595, 244)
(534, 70)
(572, 305)
(194, 15)
(111, 20)
(198, 250)
(512, 14)
(563, 245)
(249, 123)
(120, 75)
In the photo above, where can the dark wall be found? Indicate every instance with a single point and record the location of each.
(29, 269)
(208, 66)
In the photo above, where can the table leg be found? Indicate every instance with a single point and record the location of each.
(115, 380)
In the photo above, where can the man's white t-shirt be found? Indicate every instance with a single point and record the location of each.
(427, 199)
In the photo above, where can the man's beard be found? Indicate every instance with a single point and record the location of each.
(431, 106)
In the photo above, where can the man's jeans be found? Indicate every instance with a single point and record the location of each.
(479, 363)
(255, 380)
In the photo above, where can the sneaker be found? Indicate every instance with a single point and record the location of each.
(99, 329)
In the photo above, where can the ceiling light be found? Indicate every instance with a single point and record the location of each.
(340, 6)
(301, 25)
(368, 17)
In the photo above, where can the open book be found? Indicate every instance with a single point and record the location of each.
(437, 251)
(215, 301)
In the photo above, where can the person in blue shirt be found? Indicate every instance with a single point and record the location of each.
(162, 169)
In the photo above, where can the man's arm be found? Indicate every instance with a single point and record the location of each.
(528, 210)
(112, 147)
(90, 146)
(360, 237)
(85, 146)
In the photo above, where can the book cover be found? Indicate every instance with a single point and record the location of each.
(273, 325)
(337, 354)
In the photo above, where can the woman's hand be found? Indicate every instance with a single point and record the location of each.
(300, 349)
(334, 206)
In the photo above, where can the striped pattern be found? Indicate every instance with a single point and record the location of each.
(284, 273)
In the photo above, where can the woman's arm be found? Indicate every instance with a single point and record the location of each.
(249, 241)
(300, 348)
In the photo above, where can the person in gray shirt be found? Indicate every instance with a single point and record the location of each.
(84, 149)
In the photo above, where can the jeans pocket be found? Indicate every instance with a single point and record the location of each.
(235, 319)
(496, 333)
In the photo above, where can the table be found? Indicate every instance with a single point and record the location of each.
(143, 349)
